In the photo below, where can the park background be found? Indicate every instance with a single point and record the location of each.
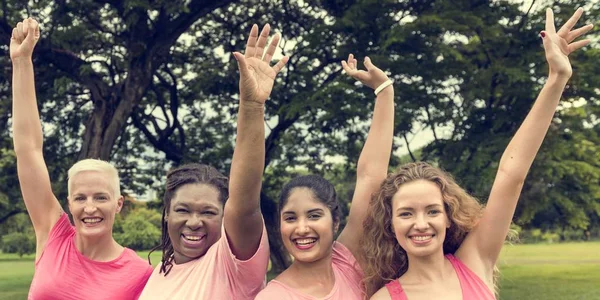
(151, 84)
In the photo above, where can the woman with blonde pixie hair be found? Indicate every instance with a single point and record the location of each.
(71, 262)
(426, 238)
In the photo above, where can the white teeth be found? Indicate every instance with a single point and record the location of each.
(305, 241)
(422, 238)
(91, 220)
(192, 238)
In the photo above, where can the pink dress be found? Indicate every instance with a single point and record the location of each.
(473, 288)
(62, 272)
(348, 277)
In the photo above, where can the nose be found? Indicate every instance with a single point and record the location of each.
(302, 228)
(90, 207)
(421, 223)
(194, 222)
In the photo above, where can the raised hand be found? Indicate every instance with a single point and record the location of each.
(558, 45)
(256, 74)
(24, 37)
(372, 78)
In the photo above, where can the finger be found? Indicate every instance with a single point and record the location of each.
(241, 60)
(20, 34)
(262, 41)
(550, 21)
(30, 31)
(351, 61)
(280, 64)
(564, 30)
(36, 28)
(251, 44)
(346, 68)
(272, 47)
(14, 34)
(355, 62)
(368, 64)
(577, 45)
(25, 27)
(578, 32)
(362, 76)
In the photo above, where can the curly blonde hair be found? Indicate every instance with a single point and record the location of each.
(384, 258)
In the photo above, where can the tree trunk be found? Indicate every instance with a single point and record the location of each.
(112, 107)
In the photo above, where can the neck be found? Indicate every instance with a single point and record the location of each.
(317, 272)
(103, 248)
(426, 269)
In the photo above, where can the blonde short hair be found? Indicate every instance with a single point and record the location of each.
(98, 166)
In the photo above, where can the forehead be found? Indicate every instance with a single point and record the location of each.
(196, 194)
(302, 199)
(416, 194)
(91, 182)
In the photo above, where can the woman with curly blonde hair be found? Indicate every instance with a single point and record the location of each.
(426, 238)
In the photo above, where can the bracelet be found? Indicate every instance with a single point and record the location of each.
(383, 86)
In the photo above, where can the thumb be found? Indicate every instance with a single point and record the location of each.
(546, 40)
(368, 64)
(241, 60)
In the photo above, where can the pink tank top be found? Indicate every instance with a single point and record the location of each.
(473, 288)
(63, 273)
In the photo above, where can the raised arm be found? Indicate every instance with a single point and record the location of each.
(242, 219)
(486, 240)
(42, 206)
(373, 162)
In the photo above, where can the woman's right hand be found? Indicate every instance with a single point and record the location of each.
(24, 37)
(373, 77)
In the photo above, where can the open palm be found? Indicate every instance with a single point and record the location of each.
(558, 45)
(256, 75)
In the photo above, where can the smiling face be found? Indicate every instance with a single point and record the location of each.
(307, 226)
(93, 204)
(419, 219)
(194, 221)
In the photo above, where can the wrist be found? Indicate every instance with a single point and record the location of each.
(558, 77)
(251, 105)
(386, 91)
(22, 61)
(384, 86)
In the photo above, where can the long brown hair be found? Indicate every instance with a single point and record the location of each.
(384, 258)
(176, 178)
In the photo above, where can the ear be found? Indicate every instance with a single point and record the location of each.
(120, 203)
(336, 227)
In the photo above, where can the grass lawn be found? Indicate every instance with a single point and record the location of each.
(558, 271)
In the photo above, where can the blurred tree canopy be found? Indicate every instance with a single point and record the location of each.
(149, 84)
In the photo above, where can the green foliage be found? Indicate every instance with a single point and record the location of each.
(140, 230)
(468, 71)
(18, 242)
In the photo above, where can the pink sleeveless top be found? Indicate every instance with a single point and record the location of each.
(473, 288)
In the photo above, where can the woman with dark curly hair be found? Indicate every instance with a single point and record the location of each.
(214, 240)
(426, 238)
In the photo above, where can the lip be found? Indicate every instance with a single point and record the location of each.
(85, 224)
(421, 243)
(307, 246)
(193, 244)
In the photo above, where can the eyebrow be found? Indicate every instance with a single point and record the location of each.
(315, 210)
(426, 207)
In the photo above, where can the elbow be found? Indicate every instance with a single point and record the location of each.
(515, 175)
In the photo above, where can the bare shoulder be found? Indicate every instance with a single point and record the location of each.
(382, 294)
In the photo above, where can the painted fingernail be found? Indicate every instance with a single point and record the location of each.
(543, 34)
